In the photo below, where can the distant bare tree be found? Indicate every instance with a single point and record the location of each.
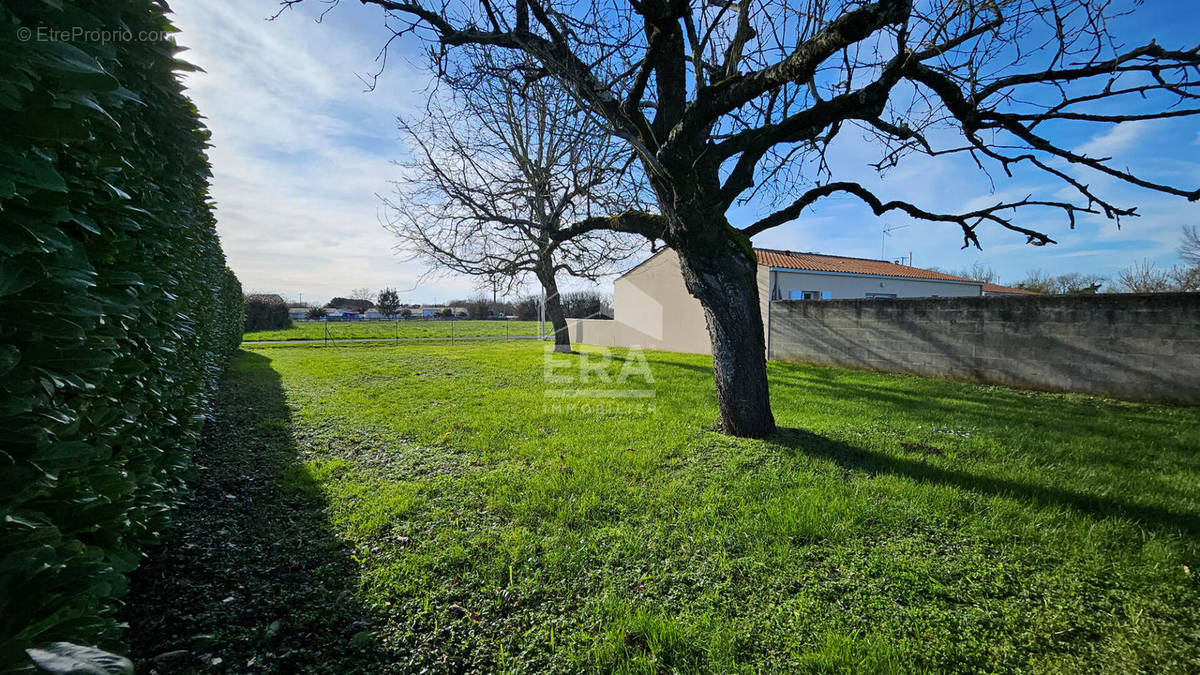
(587, 304)
(1189, 248)
(528, 308)
(1185, 279)
(498, 173)
(979, 272)
(364, 294)
(478, 307)
(723, 100)
(1143, 277)
(1070, 283)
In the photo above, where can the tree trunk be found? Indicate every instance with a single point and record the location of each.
(554, 311)
(722, 278)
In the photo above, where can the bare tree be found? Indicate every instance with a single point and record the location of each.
(1185, 279)
(365, 294)
(1189, 248)
(979, 272)
(1069, 283)
(499, 171)
(725, 99)
(1143, 277)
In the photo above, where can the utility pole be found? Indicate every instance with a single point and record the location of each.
(542, 315)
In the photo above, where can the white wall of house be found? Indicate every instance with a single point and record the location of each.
(839, 286)
(653, 309)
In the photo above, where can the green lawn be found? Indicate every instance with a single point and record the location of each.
(412, 328)
(895, 524)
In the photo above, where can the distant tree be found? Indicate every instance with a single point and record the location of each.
(448, 313)
(978, 272)
(315, 313)
(1036, 281)
(266, 312)
(1186, 279)
(359, 305)
(1189, 248)
(477, 306)
(406, 312)
(388, 302)
(1143, 277)
(1071, 283)
(584, 304)
(1075, 283)
(363, 294)
(526, 309)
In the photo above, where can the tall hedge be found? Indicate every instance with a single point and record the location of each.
(117, 312)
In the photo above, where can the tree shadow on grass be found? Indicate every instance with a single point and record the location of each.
(853, 458)
(253, 578)
(1052, 416)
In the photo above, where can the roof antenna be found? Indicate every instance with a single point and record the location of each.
(885, 232)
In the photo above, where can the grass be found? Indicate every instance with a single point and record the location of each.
(412, 328)
(895, 524)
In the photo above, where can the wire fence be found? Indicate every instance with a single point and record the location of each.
(402, 330)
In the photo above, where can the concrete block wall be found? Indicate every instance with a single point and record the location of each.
(1141, 347)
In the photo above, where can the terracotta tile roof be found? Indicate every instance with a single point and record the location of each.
(997, 288)
(816, 262)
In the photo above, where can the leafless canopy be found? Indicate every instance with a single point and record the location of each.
(502, 163)
(1189, 248)
(746, 91)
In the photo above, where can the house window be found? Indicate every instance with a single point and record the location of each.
(881, 295)
(809, 295)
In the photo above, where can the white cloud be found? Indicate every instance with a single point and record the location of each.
(1117, 139)
(299, 148)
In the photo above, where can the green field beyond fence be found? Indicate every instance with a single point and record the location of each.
(409, 329)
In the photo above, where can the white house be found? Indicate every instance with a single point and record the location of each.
(653, 309)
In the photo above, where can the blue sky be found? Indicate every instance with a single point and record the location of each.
(300, 151)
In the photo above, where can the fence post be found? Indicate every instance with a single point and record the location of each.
(506, 328)
(326, 324)
(451, 331)
(397, 331)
